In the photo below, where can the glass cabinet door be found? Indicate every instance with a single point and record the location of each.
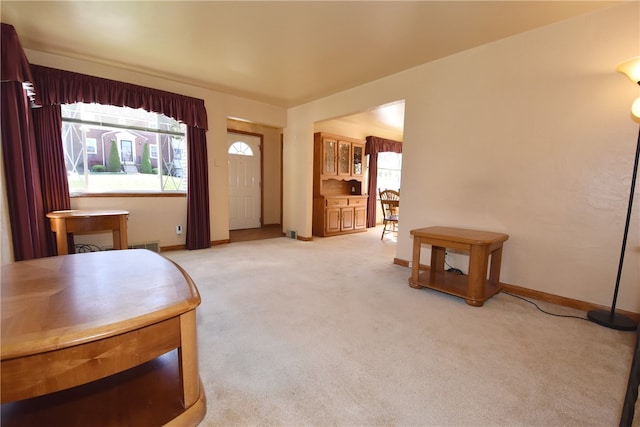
(344, 158)
(329, 151)
(358, 154)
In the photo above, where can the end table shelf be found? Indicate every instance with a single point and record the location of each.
(101, 339)
(481, 246)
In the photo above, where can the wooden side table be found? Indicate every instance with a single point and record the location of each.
(100, 339)
(87, 221)
(474, 288)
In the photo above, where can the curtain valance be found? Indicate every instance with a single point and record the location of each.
(376, 144)
(15, 67)
(54, 87)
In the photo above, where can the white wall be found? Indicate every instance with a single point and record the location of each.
(530, 136)
(154, 218)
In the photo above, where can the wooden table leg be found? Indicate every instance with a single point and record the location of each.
(437, 262)
(60, 228)
(477, 275)
(120, 234)
(494, 271)
(188, 359)
(415, 263)
(437, 258)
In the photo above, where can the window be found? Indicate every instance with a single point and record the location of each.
(91, 146)
(389, 169)
(112, 149)
(241, 149)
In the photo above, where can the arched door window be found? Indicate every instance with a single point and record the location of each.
(241, 149)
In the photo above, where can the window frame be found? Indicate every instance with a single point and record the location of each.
(179, 137)
(94, 145)
(382, 169)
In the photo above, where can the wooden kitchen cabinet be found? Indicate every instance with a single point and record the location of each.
(360, 217)
(357, 159)
(329, 155)
(339, 205)
(344, 158)
(344, 214)
(339, 155)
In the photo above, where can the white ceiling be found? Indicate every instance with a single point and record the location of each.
(386, 121)
(284, 53)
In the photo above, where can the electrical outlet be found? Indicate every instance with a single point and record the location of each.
(178, 229)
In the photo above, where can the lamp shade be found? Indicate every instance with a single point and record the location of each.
(635, 108)
(631, 67)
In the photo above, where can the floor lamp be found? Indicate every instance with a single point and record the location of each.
(607, 318)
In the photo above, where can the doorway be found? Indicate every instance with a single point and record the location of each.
(126, 151)
(245, 180)
(385, 122)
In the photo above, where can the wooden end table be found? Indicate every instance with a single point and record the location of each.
(474, 288)
(102, 339)
(87, 221)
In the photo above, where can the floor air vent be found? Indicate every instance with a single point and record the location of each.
(152, 246)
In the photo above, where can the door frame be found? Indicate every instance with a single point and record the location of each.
(261, 136)
(129, 143)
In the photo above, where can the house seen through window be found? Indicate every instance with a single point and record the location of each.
(109, 149)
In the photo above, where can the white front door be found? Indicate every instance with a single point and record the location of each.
(244, 181)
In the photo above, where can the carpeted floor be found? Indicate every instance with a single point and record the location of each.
(328, 333)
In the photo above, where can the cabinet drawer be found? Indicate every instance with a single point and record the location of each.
(357, 202)
(336, 202)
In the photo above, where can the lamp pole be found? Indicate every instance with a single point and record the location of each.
(611, 319)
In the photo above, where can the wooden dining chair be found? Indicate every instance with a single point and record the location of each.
(390, 201)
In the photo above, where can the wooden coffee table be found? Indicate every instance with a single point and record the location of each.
(101, 338)
(475, 287)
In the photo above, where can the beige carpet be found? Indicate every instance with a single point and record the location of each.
(328, 333)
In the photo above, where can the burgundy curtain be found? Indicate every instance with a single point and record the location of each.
(55, 87)
(198, 194)
(47, 122)
(374, 146)
(22, 175)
